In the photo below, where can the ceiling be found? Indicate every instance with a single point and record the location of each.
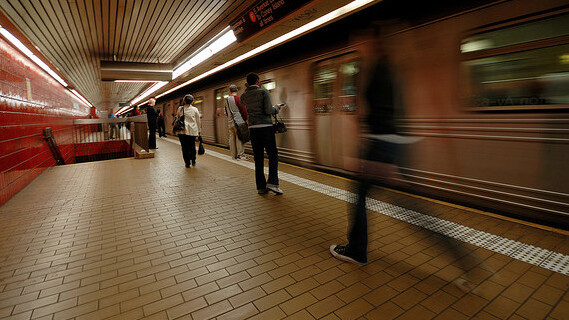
(75, 35)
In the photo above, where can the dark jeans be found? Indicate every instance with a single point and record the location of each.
(188, 148)
(378, 151)
(152, 137)
(357, 235)
(264, 139)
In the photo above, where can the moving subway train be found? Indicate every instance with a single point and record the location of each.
(486, 88)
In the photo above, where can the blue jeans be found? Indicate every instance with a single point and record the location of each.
(264, 139)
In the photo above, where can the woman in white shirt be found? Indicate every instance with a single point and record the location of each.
(192, 129)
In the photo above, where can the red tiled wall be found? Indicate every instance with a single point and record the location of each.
(24, 154)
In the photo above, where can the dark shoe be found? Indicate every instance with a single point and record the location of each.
(262, 191)
(339, 252)
(194, 163)
(187, 165)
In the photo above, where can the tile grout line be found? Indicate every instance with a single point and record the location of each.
(537, 256)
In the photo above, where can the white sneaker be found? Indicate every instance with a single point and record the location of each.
(274, 188)
(244, 157)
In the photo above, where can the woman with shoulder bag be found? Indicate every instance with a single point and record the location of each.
(191, 130)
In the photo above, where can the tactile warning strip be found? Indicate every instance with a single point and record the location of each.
(541, 257)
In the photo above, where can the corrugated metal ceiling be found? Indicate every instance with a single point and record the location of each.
(75, 35)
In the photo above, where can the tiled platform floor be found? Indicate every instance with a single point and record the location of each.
(134, 239)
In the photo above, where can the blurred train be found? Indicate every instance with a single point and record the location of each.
(485, 84)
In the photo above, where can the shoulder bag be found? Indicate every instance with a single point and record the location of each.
(201, 149)
(240, 125)
(179, 122)
(278, 125)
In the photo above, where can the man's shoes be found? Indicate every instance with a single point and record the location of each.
(243, 157)
(274, 188)
(339, 252)
(262, 191)
(187, 165)
(194, 163)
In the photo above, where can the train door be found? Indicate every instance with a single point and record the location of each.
(221, 134)
(334, 107)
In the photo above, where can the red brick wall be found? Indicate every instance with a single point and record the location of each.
(30, 101)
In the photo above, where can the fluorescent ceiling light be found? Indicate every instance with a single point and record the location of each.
(30, 55)
(352, 6)
(81, 97)
(123, 110)
(40, 63)
(220, 41)
(149, 91)
(135, 81)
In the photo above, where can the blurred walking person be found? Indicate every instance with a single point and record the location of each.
(381, 153)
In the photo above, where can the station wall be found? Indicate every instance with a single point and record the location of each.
(30, 101)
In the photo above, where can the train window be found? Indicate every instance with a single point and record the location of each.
(220, 96)
(324, 79)
(349, 74)
(521, 67)
(527, 32)
(269, 85)
(198, 102)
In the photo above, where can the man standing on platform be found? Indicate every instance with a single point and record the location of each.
(259, 109)
(152, 117)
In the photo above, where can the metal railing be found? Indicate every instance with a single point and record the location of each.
(102, 139)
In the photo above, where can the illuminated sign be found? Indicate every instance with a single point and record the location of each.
(262, 14)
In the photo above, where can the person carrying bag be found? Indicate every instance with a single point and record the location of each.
(191, 129)
(178, 124)
(237, 124)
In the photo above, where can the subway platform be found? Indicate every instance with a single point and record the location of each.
(150, 239)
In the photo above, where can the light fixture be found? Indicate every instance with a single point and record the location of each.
(216, 44)
(18, 44)
(149, 91)
(227, 37)
(329, 17)
(80, 97)
(30, 55)
(135, 81)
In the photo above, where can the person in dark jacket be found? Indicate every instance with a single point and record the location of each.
(161, 124)
(259, 110)
(151, 116)
(382, 153)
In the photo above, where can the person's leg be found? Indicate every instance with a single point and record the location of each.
(357, 235)
(185, 149)
(239, 147)
(232, 142)
(258, 156)
(152, 137)
(272, 153)
(192, 149)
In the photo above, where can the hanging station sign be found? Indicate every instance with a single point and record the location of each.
(262, 14)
